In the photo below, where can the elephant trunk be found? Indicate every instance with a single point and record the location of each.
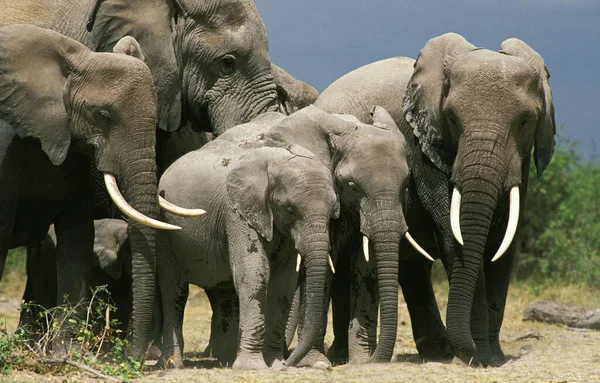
(139, 183)
(386, 228)
(482, 179)
(315, 252)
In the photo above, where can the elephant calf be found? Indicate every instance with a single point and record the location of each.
(265, 207)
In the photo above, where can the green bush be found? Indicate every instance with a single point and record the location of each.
(559, 232)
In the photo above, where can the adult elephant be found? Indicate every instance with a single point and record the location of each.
(472, 117)
(210, 64)
(62, 107)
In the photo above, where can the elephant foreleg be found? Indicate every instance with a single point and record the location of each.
(280, 293)
(74, 252)
(340, 307)
(250, 267)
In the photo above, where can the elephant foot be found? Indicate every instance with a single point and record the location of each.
(153, 353)
(314, 358)
(435, 350)
(169, 360)
(278, 365)
(249, 362)
(207, 353)
(338, 353)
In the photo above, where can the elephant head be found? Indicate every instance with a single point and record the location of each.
(477, 115)
(109, 240)
(57, 91)
(225, 69)
(370, 172)
(289, 191)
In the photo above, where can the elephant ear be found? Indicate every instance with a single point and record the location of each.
(293, 94)
(130, 47)
(382, 119)
(248, 188)
(546, 127)
(35, 66)
(422, 104)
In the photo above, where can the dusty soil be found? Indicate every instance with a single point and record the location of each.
(537, 352)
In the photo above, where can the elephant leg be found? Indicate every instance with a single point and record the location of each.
(174, 291)
(497, 278)
(280, 294)
(40, 289)
(414, 276)
(74, 253)
(340, 307)
(224, 325)
(364, 309)
(251, 277)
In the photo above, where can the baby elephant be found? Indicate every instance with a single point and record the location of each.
(265, 207)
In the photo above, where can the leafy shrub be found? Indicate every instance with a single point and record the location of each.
(97, 342)
(559, 233)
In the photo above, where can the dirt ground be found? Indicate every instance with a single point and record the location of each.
(537, 352)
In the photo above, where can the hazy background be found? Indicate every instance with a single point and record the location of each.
(320, 40)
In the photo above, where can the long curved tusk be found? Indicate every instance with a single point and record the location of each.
(417, 247)
(298, 262)
(331, 263)
(513, 221)
(178, 210)
(455, 216)
(128, 210)
(366, 247)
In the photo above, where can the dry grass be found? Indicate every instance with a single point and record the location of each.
(550, 354)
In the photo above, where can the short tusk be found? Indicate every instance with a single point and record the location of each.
(455, 215)
(298, 262)
(513, 221)
(331, 263)
(178, 210)
(128, 210)
(417, 247)
(366, 247)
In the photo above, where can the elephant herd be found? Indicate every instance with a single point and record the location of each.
(275, 199)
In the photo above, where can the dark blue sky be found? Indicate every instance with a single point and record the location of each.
(320, 40)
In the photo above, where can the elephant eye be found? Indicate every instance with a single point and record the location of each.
(290, 210)
(227, 65)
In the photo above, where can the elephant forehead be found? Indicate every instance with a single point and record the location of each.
(483, 67)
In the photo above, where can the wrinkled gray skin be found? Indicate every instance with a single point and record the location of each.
(472, 118)
(111, 267)
(371, 189)
(210, 65)
(357, 93)
(82, 107)
(264, 206)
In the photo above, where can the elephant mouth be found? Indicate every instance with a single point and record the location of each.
(115, 194)
(511, 227)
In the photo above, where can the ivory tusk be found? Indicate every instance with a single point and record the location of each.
(178, 210)
(513, 221)
(128, 210)
(298, 261)
(455, 216)
(366, 247)
(331, 263)
(417, 247)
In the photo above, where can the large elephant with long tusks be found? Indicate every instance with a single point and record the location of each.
(472, 118)
(63, 107)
